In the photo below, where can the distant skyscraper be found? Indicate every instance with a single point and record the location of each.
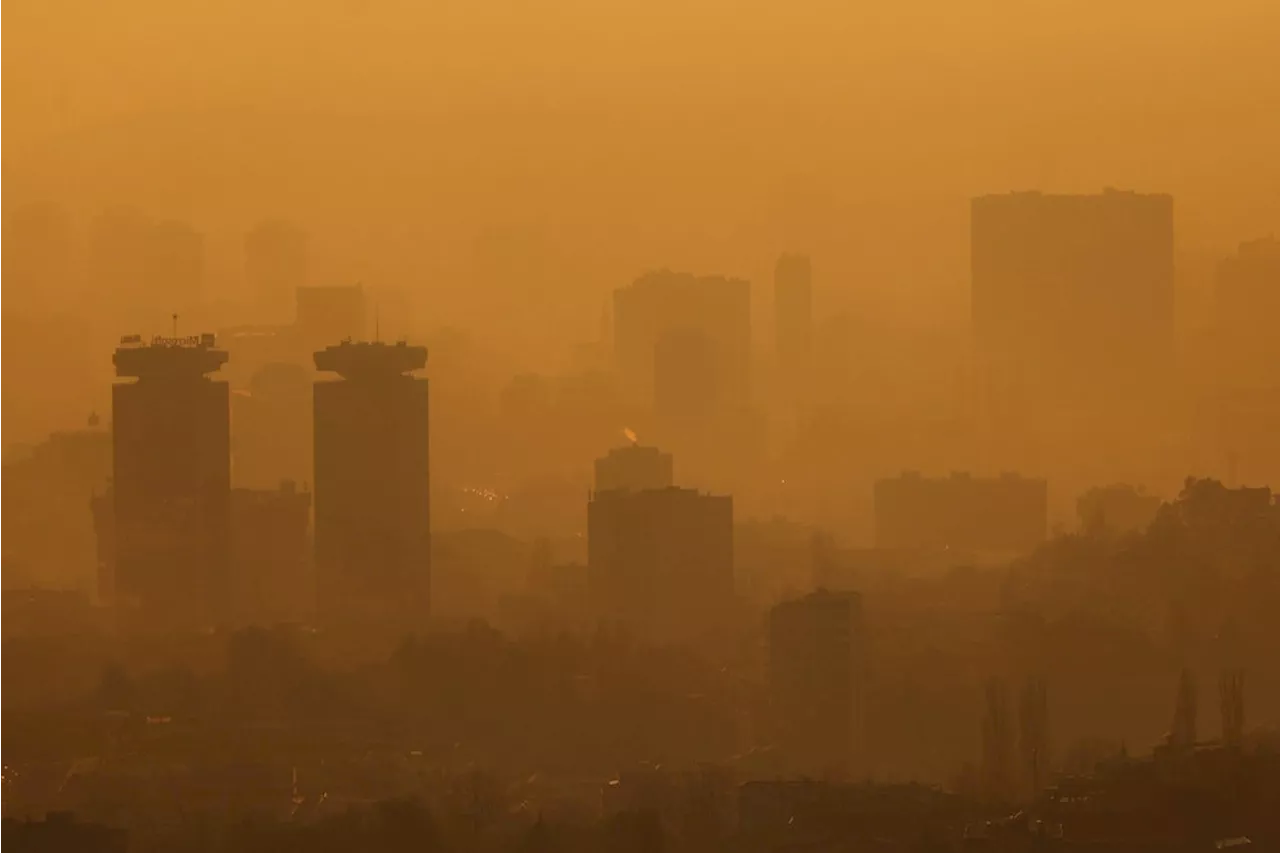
(814, 653)
(1243, 420)
(1006, 514)
(634, 468)
(1119, 509)
(660, 561)
(1072, 298)
(1248, 316)
(171, 484)
(372, 486)
(661, 302)
(793, 316)
(275, 265)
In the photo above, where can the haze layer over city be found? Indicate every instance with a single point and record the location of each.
(644, 426)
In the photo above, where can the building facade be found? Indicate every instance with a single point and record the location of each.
(171, 485)
(715, 308)
(635, 468)
(660, 562)
(372, 486)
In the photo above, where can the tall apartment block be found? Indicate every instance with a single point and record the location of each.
(372, 486)
(660, 562)
(713, 311)
(635, 468)
(171, 484)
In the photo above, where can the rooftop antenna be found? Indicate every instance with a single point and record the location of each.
(377, 323)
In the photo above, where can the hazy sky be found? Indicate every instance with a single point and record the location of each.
(709, 134)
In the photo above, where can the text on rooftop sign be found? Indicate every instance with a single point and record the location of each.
(187, 341)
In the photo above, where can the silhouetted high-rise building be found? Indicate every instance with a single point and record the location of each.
(327, 314)
(634, 468)
(1118, 508)
(793, 316)
(103, 507)
(814, 680)
(660, 561)
(1005, 514)
(372, 485)
(661, 302)
(1072, 299)
(171, 483)
(275, 265)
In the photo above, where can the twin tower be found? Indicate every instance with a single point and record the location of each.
(172, 487)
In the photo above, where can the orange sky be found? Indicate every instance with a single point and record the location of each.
(708, 134)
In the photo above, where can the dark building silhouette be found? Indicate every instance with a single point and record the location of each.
(1072, 298)
(103, 507)
(275, 265)
(662, 302)
(660, 561)
(1119, 509)
(793, 316)
(171, 484)
(372, 485)
(272, 578)
(327, 314)
(977, 514)
(814, 681)
(635, 468)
